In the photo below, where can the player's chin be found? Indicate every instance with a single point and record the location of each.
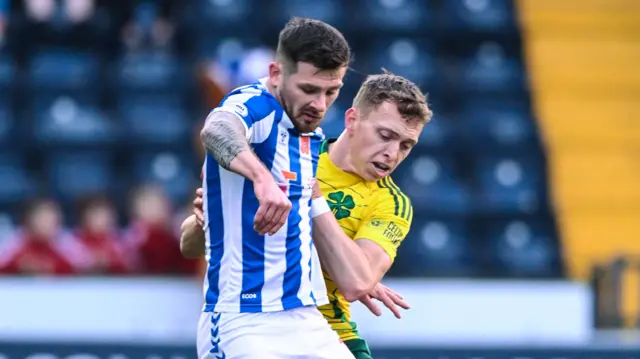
(307, 125)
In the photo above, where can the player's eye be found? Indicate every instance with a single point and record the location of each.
(385, 136)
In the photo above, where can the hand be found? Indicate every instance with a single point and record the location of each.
(388, 297)
(197, 207)
(274, 207)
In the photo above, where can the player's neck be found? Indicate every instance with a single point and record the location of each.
(340, 155)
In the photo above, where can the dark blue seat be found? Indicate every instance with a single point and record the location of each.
(479, 15)
(16, 183)
(510, 183)
(490, 69)
(403, 56)
(74, 174)
(64, 121)
(155, 119)
(435, 247)
(405, 15)
(498, 124)
(174, 171)
(7, 125)
(8, 72)
(524, 247)
(333, 123)
(61, 69)
(221, 14)
(154, 71)
(438, 134)
(432, 184)
(330, 11)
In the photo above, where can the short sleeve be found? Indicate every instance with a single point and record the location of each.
(386, 225)
(255, 109)
(239, 106)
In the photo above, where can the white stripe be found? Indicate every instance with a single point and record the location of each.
(262, 128)
(306, 170)
(231, 186)
(239, 98)
(207, 235)
(275, 263)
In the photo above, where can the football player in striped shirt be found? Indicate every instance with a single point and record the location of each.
(263, 279)
(387, 117)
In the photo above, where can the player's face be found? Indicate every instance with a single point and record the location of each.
(380, 141)
(307, 94)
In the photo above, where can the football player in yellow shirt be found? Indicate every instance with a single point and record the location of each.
(383, 125)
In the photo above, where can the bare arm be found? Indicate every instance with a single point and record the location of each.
(342, 258)
(192, 239)
(224, 137)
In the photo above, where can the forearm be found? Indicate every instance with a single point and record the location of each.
(224, 137)
(192, 239)
(342, 258)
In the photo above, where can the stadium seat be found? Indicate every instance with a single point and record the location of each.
(390, 15)
(151, 71)
(491, 69)
(478, 15)
(523, 247)
(155, 119)
(330, 11)
(7, 125)
(16, 184)
(67, 122)
(438, 134)
(174, 171)
(510, 183)
(8, 72)
(79, 173)
(497, 124)
(214, 14)
(435, 247)
(430, 181)
(62, 69)
(333, 123)
(403, 56)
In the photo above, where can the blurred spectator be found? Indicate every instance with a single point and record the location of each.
(151, 236)
(99, 238)
(66, 22)
(149, 26)
(37, 247)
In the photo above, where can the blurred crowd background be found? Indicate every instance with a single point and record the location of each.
(528, 171)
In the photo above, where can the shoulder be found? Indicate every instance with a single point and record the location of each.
(390, 199)
(252, 100)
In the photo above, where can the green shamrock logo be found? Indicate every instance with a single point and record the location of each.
(340, 204)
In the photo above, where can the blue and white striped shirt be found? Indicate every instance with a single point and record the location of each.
(248, 272)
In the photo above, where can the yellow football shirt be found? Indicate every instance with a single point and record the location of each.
(377, 211)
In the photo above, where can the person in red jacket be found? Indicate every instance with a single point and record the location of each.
(99, 238)
(151, 236)
(36, 249)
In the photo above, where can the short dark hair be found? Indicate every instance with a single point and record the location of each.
(388, 87)
(314, 42)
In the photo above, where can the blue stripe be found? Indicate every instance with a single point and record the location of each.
(258, 107)
(216, 230)
(293, 274)
(316, 142)
(253, 244)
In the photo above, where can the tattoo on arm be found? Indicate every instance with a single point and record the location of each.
(224, 137)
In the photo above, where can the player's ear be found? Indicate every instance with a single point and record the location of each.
(275, 72)
(350, 119)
